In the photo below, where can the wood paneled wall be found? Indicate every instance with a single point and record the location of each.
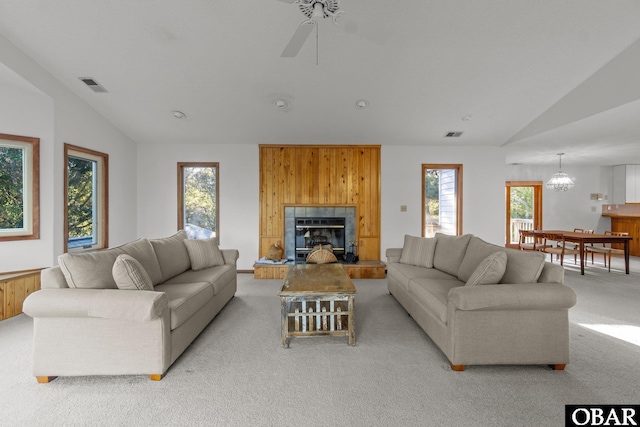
(14, 289)
(317, 175)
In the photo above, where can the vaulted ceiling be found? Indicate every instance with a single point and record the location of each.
(534, 77)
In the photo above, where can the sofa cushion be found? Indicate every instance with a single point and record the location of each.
(450, 251)
(219, 277)
(185, 299)
(418, 251)
(403, 273)
(89, 270)
(522, 266)
(128, 273)
(172, 254)
(433, 294)
(203, 253)
(490, 270)
(143, 252)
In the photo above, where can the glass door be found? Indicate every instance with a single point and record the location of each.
(524, 209)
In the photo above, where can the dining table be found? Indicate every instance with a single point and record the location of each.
(583, 239)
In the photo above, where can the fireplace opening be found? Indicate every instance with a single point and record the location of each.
(313, 231)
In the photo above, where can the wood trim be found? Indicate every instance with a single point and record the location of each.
(35, 186)
(104, 215)
(181, 166)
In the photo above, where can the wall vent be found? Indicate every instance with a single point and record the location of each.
(93, 84)
(453, 134)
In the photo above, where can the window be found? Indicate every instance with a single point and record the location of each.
(198, 202)
(86, 183)
(19, 187)
(442, 196)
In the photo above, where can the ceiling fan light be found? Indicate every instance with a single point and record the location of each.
(318, 10)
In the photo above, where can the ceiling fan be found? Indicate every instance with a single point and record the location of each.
(313, 10)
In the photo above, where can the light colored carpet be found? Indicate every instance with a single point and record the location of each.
(237, 374)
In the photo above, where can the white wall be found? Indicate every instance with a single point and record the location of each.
(573, 208)
(483, 174)
(483, 190)
(239, 192)
(30, 113)
(62, 118)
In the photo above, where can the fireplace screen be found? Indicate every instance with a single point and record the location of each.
(311, 231)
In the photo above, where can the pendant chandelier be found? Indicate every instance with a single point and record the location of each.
(560, 181)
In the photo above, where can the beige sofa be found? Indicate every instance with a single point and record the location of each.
(84, 324)
(483, 304)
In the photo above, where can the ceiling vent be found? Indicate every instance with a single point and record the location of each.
(453, 134)
(93, 85)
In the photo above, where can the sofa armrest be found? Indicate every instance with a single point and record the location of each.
(100, 303)
(530, 296)
(393, 254)
(230, 255)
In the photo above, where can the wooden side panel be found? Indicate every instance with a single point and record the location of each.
(299, 175)
(14, 289)
(3, 285)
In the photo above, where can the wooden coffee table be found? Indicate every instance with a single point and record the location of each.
(317, 299)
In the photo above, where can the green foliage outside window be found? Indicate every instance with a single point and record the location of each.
(432, 194)
(80, 192)
(200, 202)
(522, 202)
(11, 188)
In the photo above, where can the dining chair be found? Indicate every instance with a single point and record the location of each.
(529, 240)
(573, 245)
(555, 244)
(607, 249)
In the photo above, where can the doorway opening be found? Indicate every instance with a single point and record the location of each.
(524, 209)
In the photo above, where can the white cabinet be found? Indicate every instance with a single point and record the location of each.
(626, 184)
(633, 184)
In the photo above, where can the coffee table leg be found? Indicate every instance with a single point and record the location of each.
(285, 322)
(352, 322)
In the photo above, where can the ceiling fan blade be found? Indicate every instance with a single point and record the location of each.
(298, 39)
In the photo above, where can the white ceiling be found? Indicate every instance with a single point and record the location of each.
(536, 77)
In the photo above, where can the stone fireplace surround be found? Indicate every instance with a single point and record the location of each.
(293, 212)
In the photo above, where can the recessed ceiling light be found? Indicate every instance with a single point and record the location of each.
(178, 114)
(281, 103)
(362, 103)
(466, 117)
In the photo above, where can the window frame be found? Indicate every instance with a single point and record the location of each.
(102, 198)
(458, 168)
(31, 188)
(181, 207)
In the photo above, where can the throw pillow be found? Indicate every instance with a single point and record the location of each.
(418, 251)
(203, 253)
(490, 270)
(128, 273)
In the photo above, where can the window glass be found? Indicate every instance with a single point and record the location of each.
(86, 199)
(19, 187)
(198, 205)
(442, 199)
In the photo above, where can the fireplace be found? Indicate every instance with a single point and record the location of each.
(306, 226)
(313, 231)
